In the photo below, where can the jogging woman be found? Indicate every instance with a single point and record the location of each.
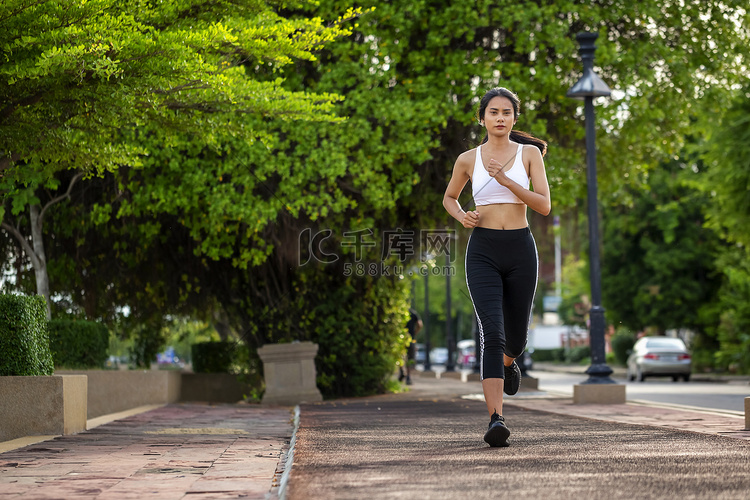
(501, 257)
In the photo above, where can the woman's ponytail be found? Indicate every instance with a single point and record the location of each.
(526, 138)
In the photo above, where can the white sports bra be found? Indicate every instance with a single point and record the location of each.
(487, 190)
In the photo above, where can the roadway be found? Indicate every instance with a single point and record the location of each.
(726, 396)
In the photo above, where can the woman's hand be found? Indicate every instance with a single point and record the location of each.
(470, 219)
(495, 169)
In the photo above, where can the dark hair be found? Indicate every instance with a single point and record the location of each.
(515, 135)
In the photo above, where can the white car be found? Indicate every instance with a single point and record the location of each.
(439, 355)
(661, 357)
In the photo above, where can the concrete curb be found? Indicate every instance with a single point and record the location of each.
(289, 460)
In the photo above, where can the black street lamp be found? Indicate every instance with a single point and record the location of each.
(426, 322)
(588, 87)
(449, 337)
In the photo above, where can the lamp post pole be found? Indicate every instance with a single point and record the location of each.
(588, 87)
(449, 334)
(426, 322)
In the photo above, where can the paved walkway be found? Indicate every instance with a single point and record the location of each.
(426, 443)
(173, 452)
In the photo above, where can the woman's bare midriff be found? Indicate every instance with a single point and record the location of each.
(503, 216)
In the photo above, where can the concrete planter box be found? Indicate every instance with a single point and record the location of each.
(289, 371)
(112, 391)
(38, 406)
(61, 404)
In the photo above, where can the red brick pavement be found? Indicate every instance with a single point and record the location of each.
(177, 451)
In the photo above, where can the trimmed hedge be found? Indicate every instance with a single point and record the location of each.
(24, 340)
(578, 354)
(553, 355)
(78, 343)
(622, 343)
(561, 355)
(212, 357)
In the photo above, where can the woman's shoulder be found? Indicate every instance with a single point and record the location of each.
(530, 152)
(467, 158)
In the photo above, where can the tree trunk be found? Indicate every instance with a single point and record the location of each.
(35, 251)
(40, 263)
(221, 325)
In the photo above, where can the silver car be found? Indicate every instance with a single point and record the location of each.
(661, 357)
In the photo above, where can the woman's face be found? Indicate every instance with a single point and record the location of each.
(499, 117)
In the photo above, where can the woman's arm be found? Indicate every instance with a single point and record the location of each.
(459, 178)
(539, 199)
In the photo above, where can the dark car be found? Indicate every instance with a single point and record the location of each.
(659, 356)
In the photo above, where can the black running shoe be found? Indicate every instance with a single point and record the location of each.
(497, 433)
(512, 379)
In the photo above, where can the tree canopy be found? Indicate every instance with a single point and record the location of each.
(412, 73)
(659, 259)
(75, 75)
(97, 85)
(727, 184)
(727, 153)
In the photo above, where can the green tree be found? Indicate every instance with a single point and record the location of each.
(82, 83)
(34, 249)
(730, 332)
(726, 184)
(659, 261)
(727, 179)
(576, 292)
(413, 72)
(76, 74)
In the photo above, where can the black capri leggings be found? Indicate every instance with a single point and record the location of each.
(501, 273)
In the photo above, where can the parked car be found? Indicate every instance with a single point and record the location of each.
(466, 356)
(659, 356)
(466, 353)
(421, 355)
(439, 356)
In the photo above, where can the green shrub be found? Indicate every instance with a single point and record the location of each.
(622, 343)
(610, 358)
(148, 339)
(578, 354)
(703, 350)
(357, 319)
(213, 357)
(24, 341)
(78, 343)
(360, 328)
(554, 355)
